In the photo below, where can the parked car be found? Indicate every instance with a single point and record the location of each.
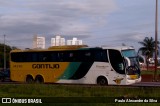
(151, 61)
(4, 74)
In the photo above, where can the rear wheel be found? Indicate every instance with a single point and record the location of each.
(102, 81)
(29, 79)
(39, 79)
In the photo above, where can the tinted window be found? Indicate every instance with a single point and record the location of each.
(85, 55)
(34, 57)
(116, 61)
(54, 56)
(18, 57)
(101, 55)
(61, 56)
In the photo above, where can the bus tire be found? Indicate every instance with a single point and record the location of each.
(101, 80)
(29, 79)
(39, 79)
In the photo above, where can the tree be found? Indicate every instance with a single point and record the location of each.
(148, 48)
(8, 49)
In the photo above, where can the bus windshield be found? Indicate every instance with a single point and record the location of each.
(133, 68)
(129, 53)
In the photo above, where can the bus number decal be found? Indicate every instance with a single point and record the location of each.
(47, 66)
(17, 66)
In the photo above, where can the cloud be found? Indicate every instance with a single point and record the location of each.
(133, 36)
(24, 18)
(130, 38)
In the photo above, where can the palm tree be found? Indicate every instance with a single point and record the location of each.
(148, 48)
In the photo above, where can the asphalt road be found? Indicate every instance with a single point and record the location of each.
(154, 84)
(141, 84)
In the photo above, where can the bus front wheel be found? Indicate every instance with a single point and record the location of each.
(102, 81)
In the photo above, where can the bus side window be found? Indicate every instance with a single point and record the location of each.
(34, 57)
(101, 56)
(14, 57)
(116, 61)
(60, 57)
(70, 57)
(21, 57)
(43, 57)
(87, 56)
(54, 57)
(27, 57)
(84, 56)
(104, 56)
(66, 56)
(47, 57)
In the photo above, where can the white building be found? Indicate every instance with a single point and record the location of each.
(74, 41)
(39, 42)
(57, 41)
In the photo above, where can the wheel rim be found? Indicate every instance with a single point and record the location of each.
(29, 80)
(102, 82)
(39, 80)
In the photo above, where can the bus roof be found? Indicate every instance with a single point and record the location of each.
(118, 47)
(53, 48)
(73, 47)
(68, 47)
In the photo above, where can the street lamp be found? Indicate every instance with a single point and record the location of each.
(156, 35)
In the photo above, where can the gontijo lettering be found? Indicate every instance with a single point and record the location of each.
(39, 66)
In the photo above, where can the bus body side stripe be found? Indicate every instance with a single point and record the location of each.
(82, 70)
(70, 71)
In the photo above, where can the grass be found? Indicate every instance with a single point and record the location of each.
(51, 90)
(78, 91)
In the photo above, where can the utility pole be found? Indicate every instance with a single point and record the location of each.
(4, 54)
(156, 42)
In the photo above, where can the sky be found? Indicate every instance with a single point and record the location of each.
(96, 22)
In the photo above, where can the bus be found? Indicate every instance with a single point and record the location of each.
(76, 65)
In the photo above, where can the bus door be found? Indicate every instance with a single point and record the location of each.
(117, 71)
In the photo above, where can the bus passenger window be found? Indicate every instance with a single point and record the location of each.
(88, 56)
(72, 57)
(67, 56)
(54, 57)
(27, 57)
(116, 61)
(60, 57)
(100, 56)
(34, 57)
(44, 57)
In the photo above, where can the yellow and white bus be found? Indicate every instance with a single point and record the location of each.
(76, 65)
